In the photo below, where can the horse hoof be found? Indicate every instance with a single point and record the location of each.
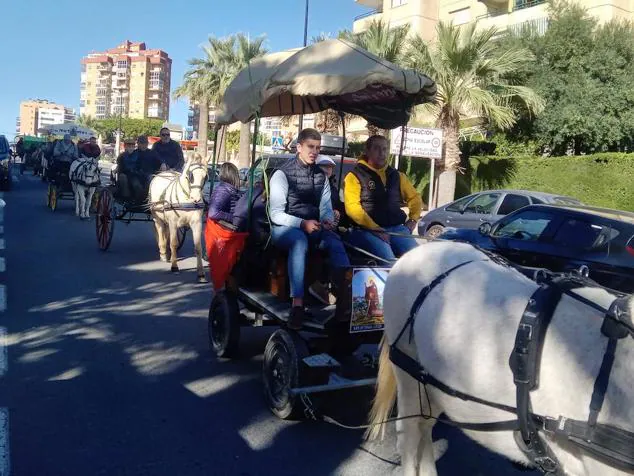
(174, 269)
(202, 280)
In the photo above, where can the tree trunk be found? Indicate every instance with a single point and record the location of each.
(244, 157)
(222, 145)
(203, 124)
(450, 124)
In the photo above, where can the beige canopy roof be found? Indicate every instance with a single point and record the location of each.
(332, 74)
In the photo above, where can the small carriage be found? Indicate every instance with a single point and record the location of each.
(59, 185)
(337, 347)
(111, 207)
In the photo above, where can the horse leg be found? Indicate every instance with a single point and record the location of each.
(196, 227)
(173, 227)
(91, 192)
(82, 201)
(76, 198)
(414, 441)
(160, 238)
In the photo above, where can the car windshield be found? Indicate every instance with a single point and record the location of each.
(528, 225)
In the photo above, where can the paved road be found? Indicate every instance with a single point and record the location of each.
(109, 373)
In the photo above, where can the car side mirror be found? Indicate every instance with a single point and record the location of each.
(485, 229)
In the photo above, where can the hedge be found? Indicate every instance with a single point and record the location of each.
(605, 180)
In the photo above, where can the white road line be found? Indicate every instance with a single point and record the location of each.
(4, 362)
(5, 463)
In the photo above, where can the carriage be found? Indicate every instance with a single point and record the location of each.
(337, 347)
(59, 186)
(112, 207)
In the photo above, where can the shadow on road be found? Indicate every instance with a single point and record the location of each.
(110, 373)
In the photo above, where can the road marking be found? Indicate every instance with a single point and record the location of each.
(4, 363)
(3, 298)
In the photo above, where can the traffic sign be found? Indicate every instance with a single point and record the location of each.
(419, 142)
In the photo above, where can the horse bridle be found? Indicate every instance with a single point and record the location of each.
(190, 179)
(612, 445)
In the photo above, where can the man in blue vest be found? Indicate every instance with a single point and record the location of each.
(301, 215)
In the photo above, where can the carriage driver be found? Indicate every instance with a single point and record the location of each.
(301, 214)
(64, 153)
(169, 152)
(373, 193)
(135, 169)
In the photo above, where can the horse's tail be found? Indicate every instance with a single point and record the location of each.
(385, 394)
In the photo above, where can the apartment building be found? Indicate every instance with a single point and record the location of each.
(129, 80)
(36, 114)
(422, 15)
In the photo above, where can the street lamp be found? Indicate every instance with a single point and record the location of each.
(301, 116)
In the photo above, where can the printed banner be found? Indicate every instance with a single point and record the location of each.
(367, 299)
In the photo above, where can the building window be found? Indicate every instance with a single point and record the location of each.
(460, 17)
(101, 109)
(122, 64)
(398, 3)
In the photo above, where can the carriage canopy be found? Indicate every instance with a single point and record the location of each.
(333, 74)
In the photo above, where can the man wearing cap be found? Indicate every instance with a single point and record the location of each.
(137, 167)
(301, 214)
(91, 148)
(64, 153)
(327, 164)
(169, 152)
(373, 194)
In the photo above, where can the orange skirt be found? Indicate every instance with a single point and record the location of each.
(223, 250)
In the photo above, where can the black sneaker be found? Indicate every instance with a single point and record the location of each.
(296, 318)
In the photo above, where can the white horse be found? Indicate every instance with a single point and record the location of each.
(84, 176)
(463, 335)
(176, 201)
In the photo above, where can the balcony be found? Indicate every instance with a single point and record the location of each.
(376, 4)
(361, 22)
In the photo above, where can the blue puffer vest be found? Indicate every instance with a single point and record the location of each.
(305, 187)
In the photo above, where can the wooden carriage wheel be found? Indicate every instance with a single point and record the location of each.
(105, 219)
(52, 197)
(95, 201)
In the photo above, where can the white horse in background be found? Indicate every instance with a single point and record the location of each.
(176, 201)
(463, 335)
(84, 176)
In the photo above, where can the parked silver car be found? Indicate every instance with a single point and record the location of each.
(488, 206)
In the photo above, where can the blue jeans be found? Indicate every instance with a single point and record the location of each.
(397, 246)
(296, 242)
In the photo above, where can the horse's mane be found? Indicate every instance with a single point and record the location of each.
(194, 159)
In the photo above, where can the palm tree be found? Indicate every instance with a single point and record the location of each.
(471, 72)
(385, 42)
(381, 40)
(244, 51)
(197, 87)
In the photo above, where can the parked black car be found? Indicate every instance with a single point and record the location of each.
(562, 238)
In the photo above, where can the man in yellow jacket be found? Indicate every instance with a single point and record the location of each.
(373, 195)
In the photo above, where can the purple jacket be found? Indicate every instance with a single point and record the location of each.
(223, 202)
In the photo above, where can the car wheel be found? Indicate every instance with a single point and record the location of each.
(434, 231)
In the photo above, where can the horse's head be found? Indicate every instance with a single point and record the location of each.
(195, 173)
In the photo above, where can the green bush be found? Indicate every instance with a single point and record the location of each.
(605, 180)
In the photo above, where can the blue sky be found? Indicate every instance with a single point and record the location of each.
(44, 41)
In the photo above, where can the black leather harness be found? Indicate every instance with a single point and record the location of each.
(609, 444)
